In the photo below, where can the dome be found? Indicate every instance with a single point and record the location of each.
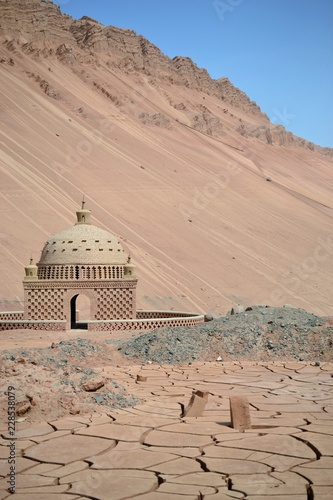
(83, 244)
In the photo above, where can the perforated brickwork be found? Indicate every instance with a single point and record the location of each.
(11, 316)
(80, 272)
(114, 303)
(146, 324)
(45, 303)
(162, 314)
(115, 325)
(32, 325)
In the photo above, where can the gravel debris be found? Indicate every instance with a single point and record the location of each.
(53, 381)
(62, 378)
(260, 333)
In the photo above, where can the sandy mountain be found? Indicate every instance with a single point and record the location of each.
(217, 205)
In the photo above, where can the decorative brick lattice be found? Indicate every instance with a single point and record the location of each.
(114, 303)
(145, 325)
(32, 325)
(45, 303)
(82, 272)
(179, 319)
(11, 316)
(162, 314)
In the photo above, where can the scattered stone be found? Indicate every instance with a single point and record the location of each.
(21, 419)
(22, 407)
(210, 316)
(74, 411)
(237, 310)
(270, 344)
(30, 398)
(240, 413)
(141, 378)
(93, 385)
(196, 404)
(99, 399)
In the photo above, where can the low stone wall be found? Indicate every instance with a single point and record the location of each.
(140, 314)
(33, 325)
(11, 316)
(145, 320)
(150, 321)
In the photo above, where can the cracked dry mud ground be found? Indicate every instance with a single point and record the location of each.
(150, 452)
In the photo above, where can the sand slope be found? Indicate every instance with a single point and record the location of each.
(212, 213)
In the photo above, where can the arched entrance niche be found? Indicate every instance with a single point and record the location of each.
(80, 311)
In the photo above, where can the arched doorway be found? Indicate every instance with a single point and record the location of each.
(80, 312)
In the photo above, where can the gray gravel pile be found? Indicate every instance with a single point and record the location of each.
(59, 353)
(260, 333)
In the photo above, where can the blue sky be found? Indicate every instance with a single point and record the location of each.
(280, 52)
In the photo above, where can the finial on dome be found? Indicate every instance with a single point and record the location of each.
(83, 215)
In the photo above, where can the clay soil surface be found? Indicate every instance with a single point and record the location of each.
(53, 372)
(135, 443)
(88, 428)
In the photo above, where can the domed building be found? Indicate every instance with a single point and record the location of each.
(85, 261)
(82, 259)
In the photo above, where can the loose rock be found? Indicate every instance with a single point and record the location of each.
(93, 385)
